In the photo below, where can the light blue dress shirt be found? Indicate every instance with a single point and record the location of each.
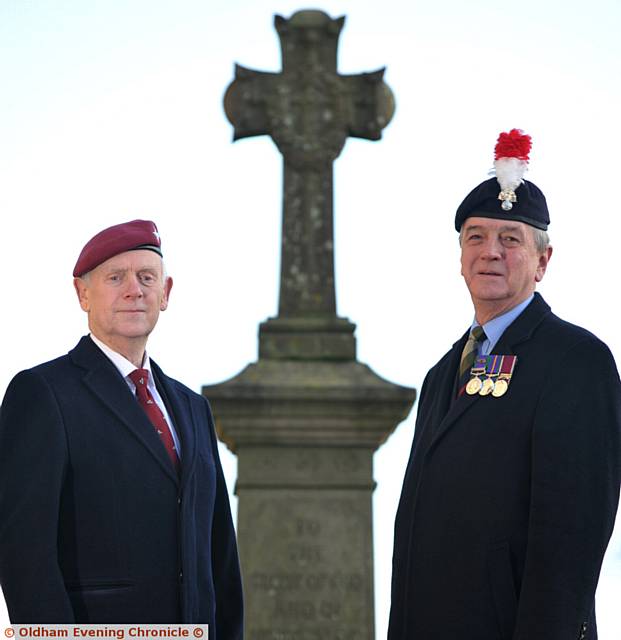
(496, 327)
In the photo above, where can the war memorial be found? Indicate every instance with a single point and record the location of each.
(305, 419)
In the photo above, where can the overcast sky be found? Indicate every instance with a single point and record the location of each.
(112, 111)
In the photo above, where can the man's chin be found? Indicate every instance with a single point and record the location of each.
(489, 294)
(134, 332)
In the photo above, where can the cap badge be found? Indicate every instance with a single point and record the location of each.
(508, 197)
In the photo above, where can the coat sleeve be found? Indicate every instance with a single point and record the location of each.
(225, 561)
(33, 460)
(574, 493)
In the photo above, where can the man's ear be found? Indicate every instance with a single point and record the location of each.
(544, 258)
(81, 290)
(168, 283)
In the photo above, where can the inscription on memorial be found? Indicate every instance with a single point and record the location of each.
(314, 573)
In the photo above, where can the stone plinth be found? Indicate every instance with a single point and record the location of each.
(304, 433)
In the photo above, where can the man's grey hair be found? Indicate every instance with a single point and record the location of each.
(540, 237)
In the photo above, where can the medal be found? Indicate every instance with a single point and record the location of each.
(473, 386)
(492, 370)
(497, 371)
(504, 377)
(500, 388)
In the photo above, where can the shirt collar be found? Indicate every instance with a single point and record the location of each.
(124, 366)
(497, 326)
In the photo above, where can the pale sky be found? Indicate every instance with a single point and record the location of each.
(112, 111)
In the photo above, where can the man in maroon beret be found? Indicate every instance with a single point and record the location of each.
(113, 505)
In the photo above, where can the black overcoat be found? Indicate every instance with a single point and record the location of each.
(508, 503)
(95, 524)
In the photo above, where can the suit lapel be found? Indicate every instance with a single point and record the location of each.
(518, 331)
(448, 381)
(183, 412)
(452, 409)
(104, 381)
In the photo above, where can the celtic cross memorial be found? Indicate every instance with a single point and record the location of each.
(306, 417)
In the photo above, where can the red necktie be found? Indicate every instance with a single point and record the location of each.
(140, 378)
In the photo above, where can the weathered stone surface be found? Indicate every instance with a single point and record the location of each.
(305, 526)
(305, 419)
(310, 553)
(337, 404)
(309, 110)
(328, 338)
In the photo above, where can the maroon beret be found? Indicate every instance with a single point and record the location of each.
(137, 234)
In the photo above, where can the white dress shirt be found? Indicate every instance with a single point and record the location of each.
(125, 367)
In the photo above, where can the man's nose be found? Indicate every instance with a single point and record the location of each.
(492, 249)
(133, 288)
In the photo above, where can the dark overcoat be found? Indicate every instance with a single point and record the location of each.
(508, 503)
(95, 524)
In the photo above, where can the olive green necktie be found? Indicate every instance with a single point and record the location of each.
(468, 355)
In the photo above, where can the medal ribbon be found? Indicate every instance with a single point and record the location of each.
(508, 363)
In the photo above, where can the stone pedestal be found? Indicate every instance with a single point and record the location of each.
(304, 433)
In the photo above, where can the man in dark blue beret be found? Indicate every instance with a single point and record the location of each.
(113, 505)
(511, 490)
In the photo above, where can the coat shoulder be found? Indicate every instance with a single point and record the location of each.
(561, 337)
(41, 374)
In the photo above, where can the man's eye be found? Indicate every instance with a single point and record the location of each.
(147, 278)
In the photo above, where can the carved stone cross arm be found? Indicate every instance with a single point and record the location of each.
(309, 116)
(309, 110)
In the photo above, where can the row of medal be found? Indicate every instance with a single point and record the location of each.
(491, 375)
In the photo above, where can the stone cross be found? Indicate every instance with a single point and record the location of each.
(309, 110)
